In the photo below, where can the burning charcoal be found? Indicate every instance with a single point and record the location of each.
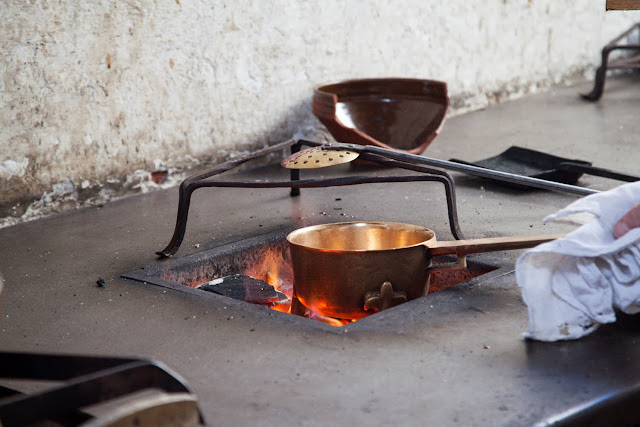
(244, 288)
(283, 304)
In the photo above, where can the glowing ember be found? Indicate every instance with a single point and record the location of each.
(283, 305)
(329, 320)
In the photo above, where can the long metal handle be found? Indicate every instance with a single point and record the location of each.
(478, 171)
(421, 160)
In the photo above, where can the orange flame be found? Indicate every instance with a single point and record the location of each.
(329, 320)
(277, 271)
(274, 269)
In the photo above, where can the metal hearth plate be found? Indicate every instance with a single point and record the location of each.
(185, 273)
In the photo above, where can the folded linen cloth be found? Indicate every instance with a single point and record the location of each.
(572, 285)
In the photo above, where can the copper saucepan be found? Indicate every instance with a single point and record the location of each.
(352, 269)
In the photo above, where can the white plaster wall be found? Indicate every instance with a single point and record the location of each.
(96, 94)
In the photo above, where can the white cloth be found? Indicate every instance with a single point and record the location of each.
(571, 285)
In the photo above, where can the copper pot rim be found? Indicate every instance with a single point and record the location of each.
(392, 226)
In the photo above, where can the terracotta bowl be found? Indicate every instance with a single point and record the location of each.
(400, 114)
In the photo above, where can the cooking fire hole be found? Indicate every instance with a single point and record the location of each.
(260, 272)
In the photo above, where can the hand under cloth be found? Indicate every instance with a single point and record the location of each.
(572, 285)
(629, 221)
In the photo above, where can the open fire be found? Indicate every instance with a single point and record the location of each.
(272, 267)
(266, 261)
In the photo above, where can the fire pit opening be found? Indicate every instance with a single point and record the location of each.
(258, 271)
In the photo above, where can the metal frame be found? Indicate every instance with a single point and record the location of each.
(189, 185)
(630, 62)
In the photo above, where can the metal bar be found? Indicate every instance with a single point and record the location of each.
(189, 185)
(295, 173)
(187, 190)
(314, 183)
(491, 174)
(605, 64)
(468, 169)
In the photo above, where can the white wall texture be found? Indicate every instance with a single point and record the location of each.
(94, 95)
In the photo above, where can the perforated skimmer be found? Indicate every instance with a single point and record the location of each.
(335, 153)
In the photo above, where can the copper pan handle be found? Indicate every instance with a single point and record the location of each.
(490, 244)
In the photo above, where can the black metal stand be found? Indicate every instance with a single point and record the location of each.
(189, 185)
(629, 62)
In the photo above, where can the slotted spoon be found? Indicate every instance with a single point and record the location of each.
(335, 153)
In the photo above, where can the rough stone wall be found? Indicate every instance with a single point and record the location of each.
(95, 95)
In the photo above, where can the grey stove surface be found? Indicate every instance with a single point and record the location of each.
(457, 356)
